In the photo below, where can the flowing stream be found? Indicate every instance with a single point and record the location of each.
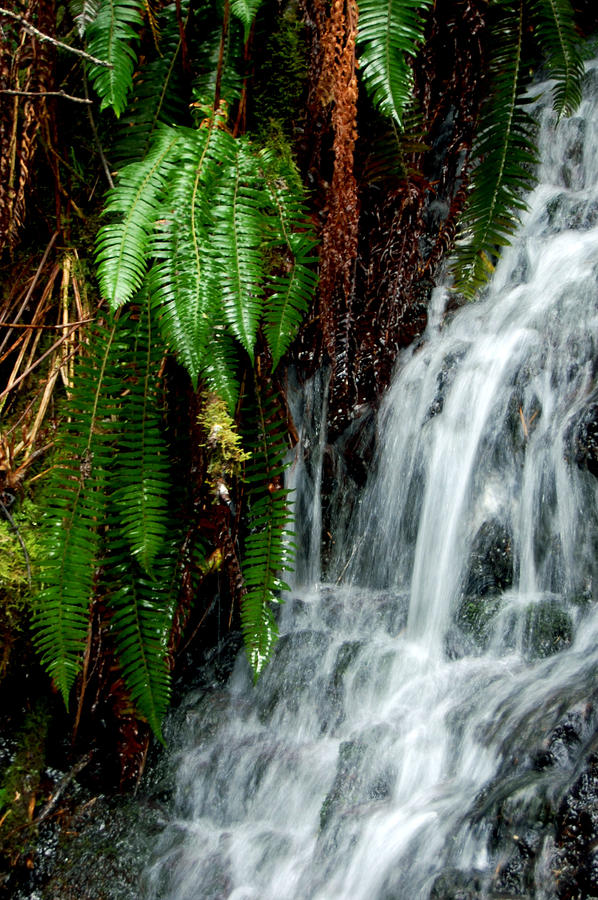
(413, 694)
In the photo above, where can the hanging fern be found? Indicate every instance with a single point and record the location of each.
(112, 481)
(505, 155)
(293, 281)
(158, 92)
(388, 33)
(140, 473)
(83, 12)
(111, 36)
(237, 240)
(186, 280)
(245, 11)
(556, 33)
(268, 548)
(142, 609)
(123, 245)
(75, 505)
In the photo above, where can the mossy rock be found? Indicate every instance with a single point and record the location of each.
(548, 629)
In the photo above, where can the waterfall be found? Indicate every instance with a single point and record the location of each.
(409, 738)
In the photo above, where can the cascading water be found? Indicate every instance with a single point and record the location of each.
(407, 739)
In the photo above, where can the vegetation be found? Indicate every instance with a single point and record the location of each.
(282, 185)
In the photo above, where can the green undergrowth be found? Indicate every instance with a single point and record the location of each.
(19, 554)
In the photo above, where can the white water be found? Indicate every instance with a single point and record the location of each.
(358, 766)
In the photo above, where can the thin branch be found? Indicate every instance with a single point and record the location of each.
(30, 369)
(26, 325)
(96, 136)
(62, 94)
(31, 29)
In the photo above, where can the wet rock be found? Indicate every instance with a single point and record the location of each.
(490, 569)
(576, 854)
(574, 131)
(455, 884)
(548, 629)
(444, 380)
(582, 439)
(331, 711)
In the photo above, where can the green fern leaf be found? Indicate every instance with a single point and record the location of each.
(140, 476)
(142, 612)
(220, 367)
(388, 32)
(294, 281)
(245, 11)
(158, 93)
(268, 550)
(557, 35)
(112, 35)
(75, 508)
(83, 12)
(186, 281)
(505, 156)
(122, 247)
(237, 239)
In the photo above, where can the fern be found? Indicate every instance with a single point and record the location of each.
(83, 12)
(268, 550)
(245, 11)
(158, 93)
(111, 37)
(389, 31)
(186, 278)
(75, 509)
(237, 238)
(142, 609)
(505, 156)
(556, 34)
(140, 480)
(113, 481)
(122, 247)
(293, 285)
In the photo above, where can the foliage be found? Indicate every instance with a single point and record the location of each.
(388, 32)
(111, 35)
(504, 149)
(268, 546)
(207, 252)
(106, 510)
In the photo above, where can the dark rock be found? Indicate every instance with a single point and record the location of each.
(491, 561)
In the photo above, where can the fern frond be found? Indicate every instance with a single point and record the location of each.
(505, 155)
(237, 238)
(158, 93)
(122, 247)
(83, 12)
(558, 38)
(294, 281)
(75, 508)
(140, 477)
(186, 280)
(231, 76)
(268, 551)
(388, 32)
(245, 11)
(111, 36)
(142, 611)
(220, 367)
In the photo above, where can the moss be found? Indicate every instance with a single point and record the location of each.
(19, 554)
(280, 81)
(223, 443)
(20, 788)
